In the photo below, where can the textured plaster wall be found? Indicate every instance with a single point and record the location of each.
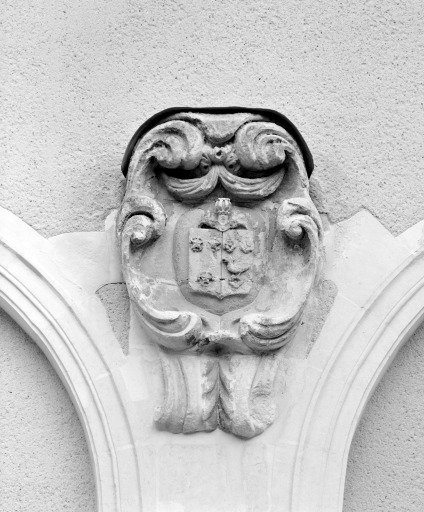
(386, 466)
(44, 462)
(78, 77)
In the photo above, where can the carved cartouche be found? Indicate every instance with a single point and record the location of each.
(220, 246)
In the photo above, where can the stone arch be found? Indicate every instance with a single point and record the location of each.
(59, 316)
(347, 380)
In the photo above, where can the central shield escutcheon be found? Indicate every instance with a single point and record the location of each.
(220, 261)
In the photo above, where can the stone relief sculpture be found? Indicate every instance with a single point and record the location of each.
(220, 245)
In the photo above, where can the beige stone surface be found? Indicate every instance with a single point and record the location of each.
(78, 78)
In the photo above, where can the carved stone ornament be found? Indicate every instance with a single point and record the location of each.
(220, 246)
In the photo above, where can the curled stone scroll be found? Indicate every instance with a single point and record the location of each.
(220, 246)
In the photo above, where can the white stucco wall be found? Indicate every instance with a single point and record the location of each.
(78, 79)
(44, 462)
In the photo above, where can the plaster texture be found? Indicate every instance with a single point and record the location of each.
(78, 79)
(385, 469)
(45, 464)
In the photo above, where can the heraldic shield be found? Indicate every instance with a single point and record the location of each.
(224, 264)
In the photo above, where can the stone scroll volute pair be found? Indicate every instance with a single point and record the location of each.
(220, 246)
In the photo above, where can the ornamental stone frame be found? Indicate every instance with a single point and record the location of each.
(221, 246)
(298, 462)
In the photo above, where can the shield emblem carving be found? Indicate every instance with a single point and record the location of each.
(220, 263)
(224, 269)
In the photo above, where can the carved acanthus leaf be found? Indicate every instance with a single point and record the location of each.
(251, 188)
(154, 218)
(175, 144)
(239, 187)
(195, 188)
(261, 146)
(183, 329)
(299, 221)
(298, 217)
(234, 392)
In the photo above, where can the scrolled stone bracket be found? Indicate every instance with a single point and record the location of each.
(234, 393)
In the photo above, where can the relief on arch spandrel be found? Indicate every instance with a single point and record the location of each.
(220, 246)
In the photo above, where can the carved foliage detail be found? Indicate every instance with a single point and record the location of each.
(232, 392)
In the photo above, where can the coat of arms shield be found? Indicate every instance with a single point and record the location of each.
(219, 262)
